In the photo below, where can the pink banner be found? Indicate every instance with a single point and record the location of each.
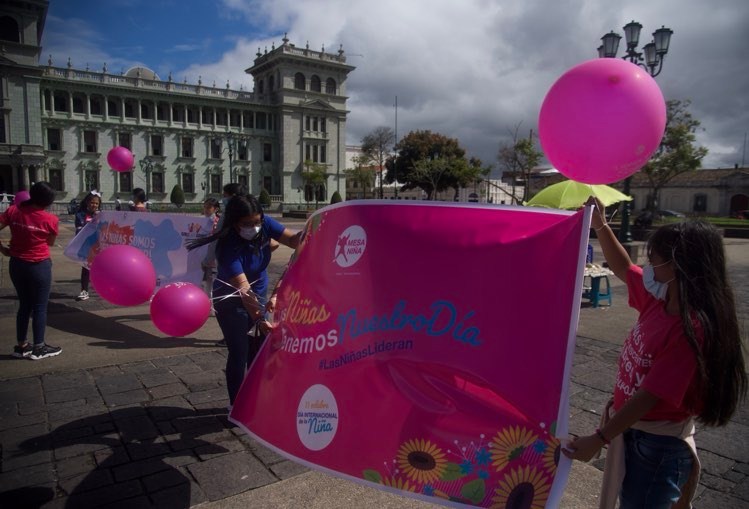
(425, 348)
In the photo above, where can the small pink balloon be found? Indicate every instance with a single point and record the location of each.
(179, 309)
(21, 196)
(602, 120)
(123, 275)
(120, 159)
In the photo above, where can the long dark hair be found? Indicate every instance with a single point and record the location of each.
(237, 208)
(696, 250)
(42, 195)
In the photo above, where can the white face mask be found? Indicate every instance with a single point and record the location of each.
(249, 232)
(655, 288)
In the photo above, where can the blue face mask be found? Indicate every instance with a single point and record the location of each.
(655, 288)
(224, 203)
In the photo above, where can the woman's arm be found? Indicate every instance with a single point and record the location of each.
(51, 240)
(584, 448)
(290, 238)
(613, 251)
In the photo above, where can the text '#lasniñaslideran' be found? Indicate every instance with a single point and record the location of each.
(443, 319)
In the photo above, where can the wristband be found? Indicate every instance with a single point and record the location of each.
(603, 438)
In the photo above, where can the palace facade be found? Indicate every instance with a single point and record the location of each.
(58, 122)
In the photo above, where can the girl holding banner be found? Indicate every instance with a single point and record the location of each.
(681, 362)
(243, 252)
(86, 212)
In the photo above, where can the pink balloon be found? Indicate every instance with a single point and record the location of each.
(21, 196)
(120, 159)
(123, 275)
(179, 309)
(602, 120)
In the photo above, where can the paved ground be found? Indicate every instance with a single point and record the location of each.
(128, 418)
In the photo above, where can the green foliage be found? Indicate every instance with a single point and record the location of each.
(315, 176)
(432, 162)
(264, 198)
(677, 153)
(336, 198)
(363, 174)
(177, 196)
(518, 158)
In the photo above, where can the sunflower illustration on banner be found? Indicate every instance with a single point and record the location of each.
(425, 349)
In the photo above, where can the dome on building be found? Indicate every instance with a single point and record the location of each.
(145, 73)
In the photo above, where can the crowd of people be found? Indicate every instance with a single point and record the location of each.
(682, 362)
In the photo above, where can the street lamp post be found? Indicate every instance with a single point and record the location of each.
(650, 59)
(146, 165)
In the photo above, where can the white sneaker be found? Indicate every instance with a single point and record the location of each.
(82, 296)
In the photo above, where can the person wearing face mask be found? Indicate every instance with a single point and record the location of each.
(682, 362)
(243, 252)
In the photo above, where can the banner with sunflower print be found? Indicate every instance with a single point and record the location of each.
(425, 349)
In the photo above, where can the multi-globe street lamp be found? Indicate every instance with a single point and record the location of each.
(233, 143)
(146, 165)
(650, 59)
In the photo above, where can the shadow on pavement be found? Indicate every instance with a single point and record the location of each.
(136, 448)
(113, 330)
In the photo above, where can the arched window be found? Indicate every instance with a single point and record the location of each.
(314, 84)
(330, 86)
(9, 29)
(299, 81)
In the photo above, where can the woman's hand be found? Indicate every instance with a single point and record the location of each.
(4, 250)
(583, 448)
(598, 219)
(264, 326)
(270, 306)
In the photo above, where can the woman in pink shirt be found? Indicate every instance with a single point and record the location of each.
(682, 362)
(32, 231)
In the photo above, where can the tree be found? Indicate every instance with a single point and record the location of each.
(264, 198)
(177, 196)
(467, 173)
(518, 158)
(363, 174)
(677, 153)
(314, 177)
(336, 198)
(376, 147)
(420, 146)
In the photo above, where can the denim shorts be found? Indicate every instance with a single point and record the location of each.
(658, 466)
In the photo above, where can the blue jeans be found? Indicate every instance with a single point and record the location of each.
(33, 282)
(657, 468)
(235, 322)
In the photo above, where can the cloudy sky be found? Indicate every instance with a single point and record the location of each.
(469, 69)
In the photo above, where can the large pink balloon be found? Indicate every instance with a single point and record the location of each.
(123, 275)
(21, 196)
(180, 309)
(120, 159)
(602, 120)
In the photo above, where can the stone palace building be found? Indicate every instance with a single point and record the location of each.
(58, 123)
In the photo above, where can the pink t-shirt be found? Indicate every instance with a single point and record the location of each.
(656, 356)
(30, 227)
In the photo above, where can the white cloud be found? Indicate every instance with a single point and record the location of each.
(475, 69)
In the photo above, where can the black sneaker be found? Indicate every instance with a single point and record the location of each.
(22, 351)
(40, 352)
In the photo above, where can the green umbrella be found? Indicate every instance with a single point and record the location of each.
(570, 194)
